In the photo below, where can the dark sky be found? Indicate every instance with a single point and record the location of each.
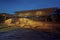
(10, 6)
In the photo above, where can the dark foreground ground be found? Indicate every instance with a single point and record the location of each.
(28, 34)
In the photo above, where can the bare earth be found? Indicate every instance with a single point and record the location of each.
(29, 34)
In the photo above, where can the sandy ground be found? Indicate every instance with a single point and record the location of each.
(29, 34)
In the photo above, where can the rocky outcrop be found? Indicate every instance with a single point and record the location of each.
(25, 19)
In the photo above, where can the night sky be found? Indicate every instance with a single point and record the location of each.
(11, 6)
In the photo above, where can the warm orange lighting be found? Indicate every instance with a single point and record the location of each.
(8, 22)
(33, 24)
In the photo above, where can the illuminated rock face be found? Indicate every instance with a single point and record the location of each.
(8, 22)
(24, 22)
(28, 23)
(34, 24)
